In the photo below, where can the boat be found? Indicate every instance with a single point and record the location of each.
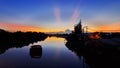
(36, 51)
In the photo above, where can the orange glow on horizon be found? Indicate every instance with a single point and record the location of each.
(25, 28)
(18, 27)
(109, 27)
(113, 27)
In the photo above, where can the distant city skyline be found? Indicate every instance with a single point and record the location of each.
(59, 15)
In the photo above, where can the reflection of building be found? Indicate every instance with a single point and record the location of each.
(78, 28)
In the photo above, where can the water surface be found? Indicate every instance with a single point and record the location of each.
(54, 55)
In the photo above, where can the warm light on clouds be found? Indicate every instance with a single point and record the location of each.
(18, 27)
(24, 28)
(109, 27)
(57, 14)
(74, 16)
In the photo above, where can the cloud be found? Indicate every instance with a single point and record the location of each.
(18, 27)
(74, 16)
(109, 27)
(57, 14)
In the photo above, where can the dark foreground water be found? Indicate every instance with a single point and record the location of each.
(54, 54)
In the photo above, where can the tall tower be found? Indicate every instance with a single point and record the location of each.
(78, 28)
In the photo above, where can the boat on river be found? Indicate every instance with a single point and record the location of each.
(36, 51)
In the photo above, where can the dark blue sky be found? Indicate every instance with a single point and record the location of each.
(60, 13)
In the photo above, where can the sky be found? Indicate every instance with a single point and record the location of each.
(59, 15)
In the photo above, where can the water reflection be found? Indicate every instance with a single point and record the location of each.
(36, 51)
(7, 44)
(95, 56)
(54, 53)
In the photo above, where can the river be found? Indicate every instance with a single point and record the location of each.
(54, 55)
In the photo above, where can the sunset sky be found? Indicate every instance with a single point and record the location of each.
(59, 15)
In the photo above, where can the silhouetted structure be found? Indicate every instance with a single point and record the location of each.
(77, 34)
(96, 55)
(36, 51)
(78, 28)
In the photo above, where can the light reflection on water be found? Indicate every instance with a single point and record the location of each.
(54, 55)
